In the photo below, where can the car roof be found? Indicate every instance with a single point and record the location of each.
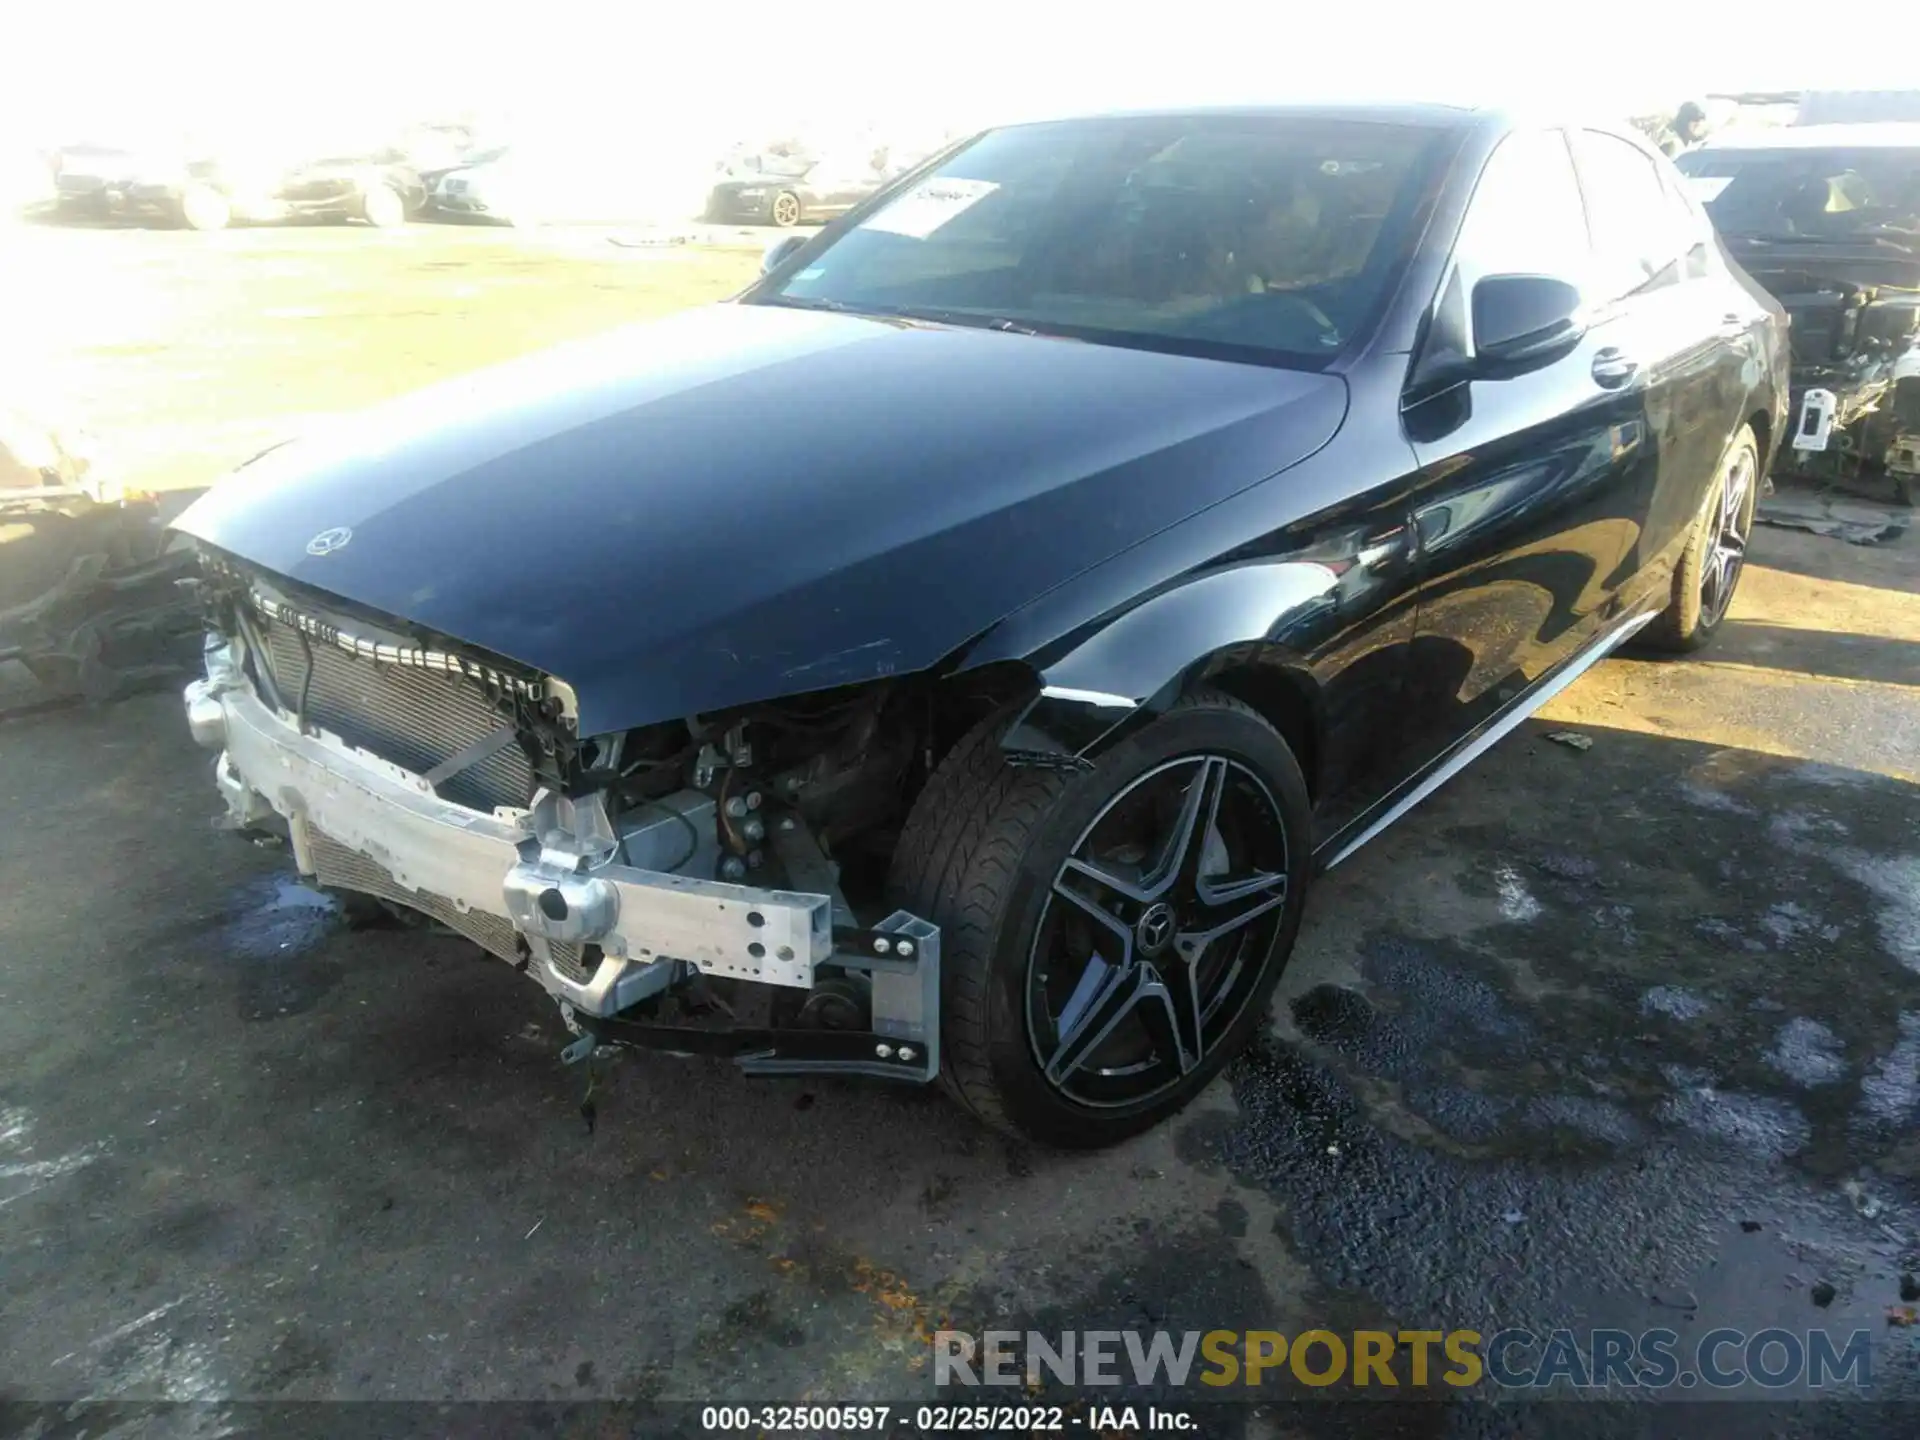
(1882, 135)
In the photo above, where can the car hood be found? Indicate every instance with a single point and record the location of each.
(1786, 269)
(746, 501)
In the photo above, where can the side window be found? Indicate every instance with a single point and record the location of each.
(1526, 217)
(1690, 223)
(1637, 243)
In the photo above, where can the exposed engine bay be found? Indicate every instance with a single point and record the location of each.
(711, 885)
(1827, 219)
(1856, 376)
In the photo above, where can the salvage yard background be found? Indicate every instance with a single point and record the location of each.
(1628, 1034)
(185, 354)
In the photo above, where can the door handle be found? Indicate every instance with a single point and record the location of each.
(1383, 550)
(1613, 369)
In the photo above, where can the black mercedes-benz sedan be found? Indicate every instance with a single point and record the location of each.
(954, 657)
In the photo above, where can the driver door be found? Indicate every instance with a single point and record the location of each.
(1531, 486)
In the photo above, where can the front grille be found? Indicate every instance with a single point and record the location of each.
(406, 715)
(334, 864)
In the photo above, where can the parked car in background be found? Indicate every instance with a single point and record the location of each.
(86, 176)
(443, 166)
(251, 182)
(1827, 218)
(752, 164)
(1160, 507)
(519, 185)
(562, 180)
(1857, 107)
(820, 191)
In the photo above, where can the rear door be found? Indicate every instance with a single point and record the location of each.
(1532, 486)
(1653, 271)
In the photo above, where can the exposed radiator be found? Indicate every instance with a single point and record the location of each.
(335, 864)
(408, 716)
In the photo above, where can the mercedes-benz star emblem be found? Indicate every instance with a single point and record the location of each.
(328, 541)
(1155, 929)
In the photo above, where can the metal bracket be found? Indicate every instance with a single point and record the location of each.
(904, 1043)
(902, 954)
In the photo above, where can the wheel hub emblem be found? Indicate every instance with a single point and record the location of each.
(1155, 930)
(328, 541)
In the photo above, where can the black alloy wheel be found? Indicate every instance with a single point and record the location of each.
(1150, 943)
(1709, 569)
(1111, 937)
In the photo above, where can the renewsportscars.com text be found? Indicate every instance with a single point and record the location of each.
(1512, 1358)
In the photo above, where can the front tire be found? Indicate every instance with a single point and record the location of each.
(383, 208)
(786, 209)
(1109, 938)
(1710, 567)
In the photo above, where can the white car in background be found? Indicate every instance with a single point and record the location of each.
(560, 183)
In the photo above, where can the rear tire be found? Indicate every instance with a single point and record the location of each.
(1710, 567)
(786, 210)
(989, 854)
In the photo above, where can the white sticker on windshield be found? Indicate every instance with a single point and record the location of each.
(1705, 187)
(812, 272)
(928, 206)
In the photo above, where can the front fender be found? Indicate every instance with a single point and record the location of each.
(1100, 684)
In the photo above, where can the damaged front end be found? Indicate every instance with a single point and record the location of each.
(1827, 219)
(1856, 375)
(671, 888)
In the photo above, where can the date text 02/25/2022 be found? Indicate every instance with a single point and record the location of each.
(938, 1419)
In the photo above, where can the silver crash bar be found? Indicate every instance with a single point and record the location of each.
(551, 871)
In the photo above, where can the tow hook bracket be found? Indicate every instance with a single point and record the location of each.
(901, 955)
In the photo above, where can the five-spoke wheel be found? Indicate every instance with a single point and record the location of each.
(1708, 571)
(1731, 520)
(1109, 938)
(1139, 963)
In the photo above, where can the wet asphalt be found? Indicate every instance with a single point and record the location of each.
(1624, 1036)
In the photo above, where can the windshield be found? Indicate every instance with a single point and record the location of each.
(1815, 195)
(1261, 238)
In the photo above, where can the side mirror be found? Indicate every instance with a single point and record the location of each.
(1523, 318)
(779, 252)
